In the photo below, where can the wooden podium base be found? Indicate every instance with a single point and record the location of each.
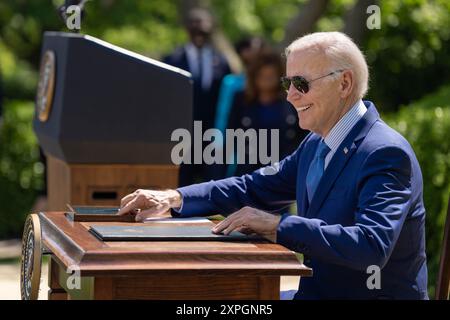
(102, 184)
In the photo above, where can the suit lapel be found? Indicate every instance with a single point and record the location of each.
(340, 158)
(184, 64)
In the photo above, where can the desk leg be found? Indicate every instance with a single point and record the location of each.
(55, 292)
(269, 288)
(66, 286)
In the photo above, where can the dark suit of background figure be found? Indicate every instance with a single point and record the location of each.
(208, 67)
(276, 115)
(205, 98)
(204, 107)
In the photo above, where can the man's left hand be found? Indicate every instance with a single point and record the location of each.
(250, 220)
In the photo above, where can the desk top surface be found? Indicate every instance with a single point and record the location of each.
(72, 244)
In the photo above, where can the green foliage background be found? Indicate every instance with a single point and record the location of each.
(409, 60)
(20, 170)
(426, 125)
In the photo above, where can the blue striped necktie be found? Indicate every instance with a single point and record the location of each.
(316, 169)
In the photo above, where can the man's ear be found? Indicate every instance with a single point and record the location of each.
(347, 83)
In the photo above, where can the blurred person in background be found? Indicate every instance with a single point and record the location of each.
(208, 67)
(263, 105)
(247, 48)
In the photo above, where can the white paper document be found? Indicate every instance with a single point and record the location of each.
(177, 220)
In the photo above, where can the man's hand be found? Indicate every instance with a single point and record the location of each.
(250, 220)
(146, 203)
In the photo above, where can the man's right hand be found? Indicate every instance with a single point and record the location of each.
(147, 203)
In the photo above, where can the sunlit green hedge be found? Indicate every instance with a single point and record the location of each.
(426, 125)
(21, 173)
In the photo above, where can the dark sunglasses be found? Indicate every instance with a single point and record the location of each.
(300, 83)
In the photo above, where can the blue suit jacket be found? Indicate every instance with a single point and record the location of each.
(367, 210)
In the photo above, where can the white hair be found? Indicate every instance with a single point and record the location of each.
(342, 53)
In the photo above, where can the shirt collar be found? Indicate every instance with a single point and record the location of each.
(342, 128)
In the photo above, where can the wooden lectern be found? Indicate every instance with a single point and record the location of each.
(102, 184)
(161, 269)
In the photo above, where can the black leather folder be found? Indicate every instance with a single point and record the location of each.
(97, 213)
(164, 233)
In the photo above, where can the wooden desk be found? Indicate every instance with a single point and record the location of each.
(161, 270)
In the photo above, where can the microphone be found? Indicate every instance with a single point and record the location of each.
(62, 10)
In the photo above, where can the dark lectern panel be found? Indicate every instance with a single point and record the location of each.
(111, 105)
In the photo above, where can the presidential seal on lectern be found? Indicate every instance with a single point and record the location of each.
(30, 273)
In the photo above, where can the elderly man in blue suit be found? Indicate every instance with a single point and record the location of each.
(356, 181)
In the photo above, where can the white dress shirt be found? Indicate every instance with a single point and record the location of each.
(342, 128)
(205, 54)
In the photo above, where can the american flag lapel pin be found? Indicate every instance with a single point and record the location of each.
(345, 150)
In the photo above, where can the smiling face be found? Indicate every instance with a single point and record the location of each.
(325, 102)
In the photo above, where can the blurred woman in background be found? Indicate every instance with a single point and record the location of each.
(247, 48)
